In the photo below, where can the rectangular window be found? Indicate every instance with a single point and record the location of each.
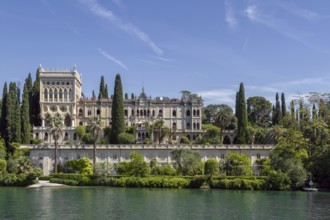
(258, 156)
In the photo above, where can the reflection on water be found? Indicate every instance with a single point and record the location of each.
(125, 203)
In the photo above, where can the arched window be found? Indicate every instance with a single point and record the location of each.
(174, 126)
(188, 136)
(160, 113)
(188, 125)
(37, 135)
(98, 112)
(61, 94)
(67, 121)
(174, 113)
(126, 112)
(194, 125)
(198, 127)
(50, 94)
(188, 113)
(197, 112)
(66, 136)
(137, 112)
(81, 123)
(89, 112)
(55, 94)
(141, 112)
(194, 112)
(153, 112)
(144, 112)
(74, 136)
(65, 95)
(46, 136)
(132, 112)
(46, 94)
(148, 112)
(81, 112)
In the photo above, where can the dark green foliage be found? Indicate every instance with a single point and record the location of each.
(35, 110)
(277, 113)
(241, 114)
(259, 111)
(3, 165)
(25, 117)
(12, 179)
(13, 119)
(29, 85)
(103, 92)
(3, 121)
(283, 105)
(2, 149)
(278, 180)
(117, 113)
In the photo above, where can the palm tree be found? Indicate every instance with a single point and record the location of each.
(95, 128)
(56, 130)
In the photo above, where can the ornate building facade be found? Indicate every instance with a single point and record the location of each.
(61, 94)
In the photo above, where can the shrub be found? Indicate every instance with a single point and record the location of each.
(64, 181)
(211, 167)
(184, 140)
(35, 141)
(278, 180)
(3, 165)
(83, 166)
(125, 138)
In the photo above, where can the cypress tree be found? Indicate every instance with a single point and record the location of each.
(314, 113)
(242, 119)
(29, 86)
(292, 109)
(35, 110)
(273, 115)
(278, 114)
(106, 94)
(13, 119)
(93, 95)
(283, 105)
(117, 111)
(237, 104)
(3, 111)
(126, 96)
(25, 116)
(102, 88)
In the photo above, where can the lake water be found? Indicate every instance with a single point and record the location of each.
(129, 203)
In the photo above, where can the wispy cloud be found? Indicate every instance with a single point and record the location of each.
(111, 58)
(48, 6)
(219, 96)
(162, 58)
(119, 3)
(229, 15)
(301, 12)
(325, 81)
(102, 12)
(281, 26)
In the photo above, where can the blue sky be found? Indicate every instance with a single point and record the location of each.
(206, 47)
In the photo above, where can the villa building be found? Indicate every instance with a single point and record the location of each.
(61, 94)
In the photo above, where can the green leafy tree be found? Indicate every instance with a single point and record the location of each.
(80, 131)
(211, 167)
(83, 166)
(117, 113)
(2, 149)
(25, 117)
(259, 111)
(188, 161)
(237, 164)
(160, 130)
(138, 167)
(96, 130)
(56, 130)
(242, 119)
